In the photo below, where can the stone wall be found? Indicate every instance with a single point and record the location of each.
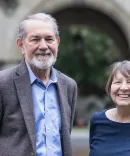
(118, 10)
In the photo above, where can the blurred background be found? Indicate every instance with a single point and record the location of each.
(94, 34)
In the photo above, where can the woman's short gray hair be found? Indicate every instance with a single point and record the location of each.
(123, 67)
(39, 16)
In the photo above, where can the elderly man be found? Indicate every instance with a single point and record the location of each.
(37, 102)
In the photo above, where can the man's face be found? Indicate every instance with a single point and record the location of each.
(40, 45)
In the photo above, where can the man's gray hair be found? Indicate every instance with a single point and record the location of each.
(39, 16)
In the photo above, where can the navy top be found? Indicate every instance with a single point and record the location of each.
(108, 138)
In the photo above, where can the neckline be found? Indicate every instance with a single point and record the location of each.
(113, 120)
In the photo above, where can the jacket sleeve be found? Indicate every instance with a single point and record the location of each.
(1, 110)
(73, 105)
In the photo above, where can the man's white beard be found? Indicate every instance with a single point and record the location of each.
(40, 62)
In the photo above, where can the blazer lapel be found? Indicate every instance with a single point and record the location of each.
(62, 94)
(24, 92)
(65, 111)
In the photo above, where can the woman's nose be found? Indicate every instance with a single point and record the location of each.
(125, 86)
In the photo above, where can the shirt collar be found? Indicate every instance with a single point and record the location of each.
(53, 78)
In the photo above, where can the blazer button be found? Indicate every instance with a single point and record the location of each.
(32, 154)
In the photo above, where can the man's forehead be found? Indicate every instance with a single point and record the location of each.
(39, 26)
(36, 22)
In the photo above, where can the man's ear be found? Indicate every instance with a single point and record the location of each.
(58, 40)
(20, 45)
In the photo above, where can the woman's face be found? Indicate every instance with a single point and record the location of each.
(120, 89)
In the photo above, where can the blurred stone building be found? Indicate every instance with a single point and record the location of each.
(111, 16)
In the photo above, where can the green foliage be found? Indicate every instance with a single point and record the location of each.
(84, 54)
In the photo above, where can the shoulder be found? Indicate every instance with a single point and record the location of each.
(11, 73)
(65, 77)
(98, 116)
(7, 79)
(7, 73)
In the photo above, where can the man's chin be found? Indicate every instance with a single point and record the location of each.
(43, 65)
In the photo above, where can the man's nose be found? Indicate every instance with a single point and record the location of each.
(43, 45)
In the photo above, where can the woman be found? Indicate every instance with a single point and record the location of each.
(110, 129)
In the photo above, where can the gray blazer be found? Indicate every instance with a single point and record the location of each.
(17, 124)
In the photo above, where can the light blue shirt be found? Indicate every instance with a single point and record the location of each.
(47, 115)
